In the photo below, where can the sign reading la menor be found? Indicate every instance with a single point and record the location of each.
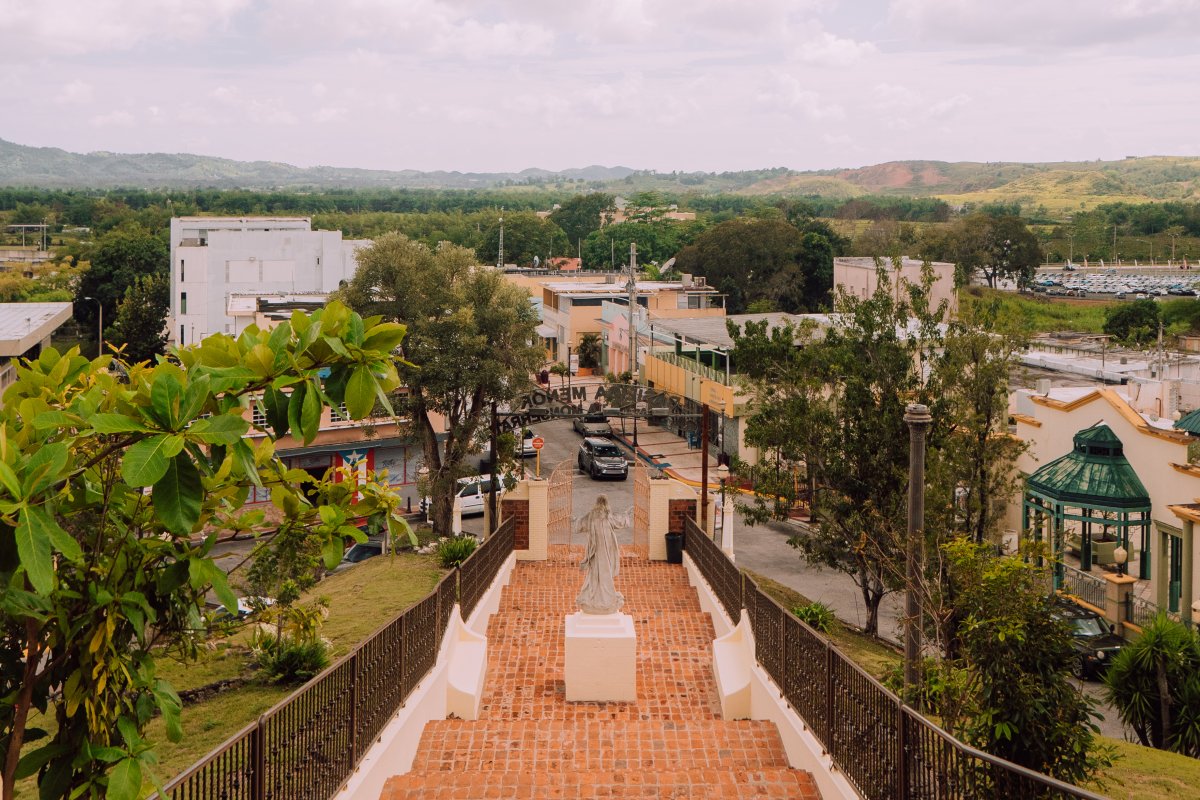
(609, 399)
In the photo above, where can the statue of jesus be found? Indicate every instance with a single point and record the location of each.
(602, 560)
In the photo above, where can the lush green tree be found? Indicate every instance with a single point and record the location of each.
(836, 403)
(998, 246)
(141, 323)
(526, 235)
(608, 248)
(763, 259)
(581, 215)
(589, 350)
(1023, 705)
(1133, 323)
(113, 490)
(1154, 682)
(118, 259)
(470, 340)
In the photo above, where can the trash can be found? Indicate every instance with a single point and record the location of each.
(674, 548)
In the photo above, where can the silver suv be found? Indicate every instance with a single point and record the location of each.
(600, 458)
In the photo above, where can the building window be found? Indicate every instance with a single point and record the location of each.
(183, 302)
(181, 341)
(257, 415)
(181, 271)
(339, 413)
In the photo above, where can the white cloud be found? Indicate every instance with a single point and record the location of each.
(789, 93)
(74, 93)
(826, 48)
(113, 119)
(944, 107)
(330, 114)
(1036, 23)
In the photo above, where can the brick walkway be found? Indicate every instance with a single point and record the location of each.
(530, 743)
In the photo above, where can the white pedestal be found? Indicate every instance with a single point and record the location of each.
(601, 658)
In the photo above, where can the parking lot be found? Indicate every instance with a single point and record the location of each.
(1119, 285)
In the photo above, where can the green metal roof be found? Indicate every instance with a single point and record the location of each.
(1190, 423)
(1096, 473)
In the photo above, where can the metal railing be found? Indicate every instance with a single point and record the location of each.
(307, 746)
(1084, 585)
(669, 356)
(1140, 612)
(885, 749)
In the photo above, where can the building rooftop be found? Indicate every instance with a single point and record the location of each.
(712, 331)
(22, 325)
(869, 262)
(619, 287)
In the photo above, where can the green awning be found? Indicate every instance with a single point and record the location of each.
(1190, 423)
(1094, 473)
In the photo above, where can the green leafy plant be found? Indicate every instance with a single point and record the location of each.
(289, 659)
(454, 551)
(817, 616)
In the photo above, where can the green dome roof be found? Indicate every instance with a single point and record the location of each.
(1190, 423)
(1095, 473)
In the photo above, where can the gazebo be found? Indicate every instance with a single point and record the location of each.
(1089, 500)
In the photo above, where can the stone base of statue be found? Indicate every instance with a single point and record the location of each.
(601, 658)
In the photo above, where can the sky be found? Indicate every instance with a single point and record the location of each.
(689, 85)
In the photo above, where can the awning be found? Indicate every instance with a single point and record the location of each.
(333, 447)
(547, 332)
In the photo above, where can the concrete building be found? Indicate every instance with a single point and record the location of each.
(859, 276)
(215, 258)
(25, 328)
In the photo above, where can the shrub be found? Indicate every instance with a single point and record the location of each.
(454, 551)
(287, 660)
(817, 616)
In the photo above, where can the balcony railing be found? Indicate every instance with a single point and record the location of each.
(691, 365)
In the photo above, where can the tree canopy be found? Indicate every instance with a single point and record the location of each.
(113, 490)
(471, 341)
(1001, 247)
(526, 235)
(581, 215)
(118, 259)
(141, 323)
(1133, 323)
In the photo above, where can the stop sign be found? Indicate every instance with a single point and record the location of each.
(538, 443)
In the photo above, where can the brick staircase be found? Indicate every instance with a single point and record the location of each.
(530, 743)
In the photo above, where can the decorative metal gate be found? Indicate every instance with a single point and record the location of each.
(558, 526)
(641, 507)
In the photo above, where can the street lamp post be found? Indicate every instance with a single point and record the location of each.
(99, 327)
(917, 417)
(722, 475)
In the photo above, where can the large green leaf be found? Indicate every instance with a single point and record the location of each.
(8, 479)
(332, 552)
(33, 549)
(44, 467)
(44, 524)
(166, 394)
(146, 461)
(194, 397)
(224, 429)
(125, 780)
(310, 414)
(385, 336)
(294, 408)
(360, 392)
(116, 423)
(56, 419)
(178, 495)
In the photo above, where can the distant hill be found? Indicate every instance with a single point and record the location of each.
(1058, 186)
(51, 167)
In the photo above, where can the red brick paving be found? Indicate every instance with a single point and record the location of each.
(530, 743)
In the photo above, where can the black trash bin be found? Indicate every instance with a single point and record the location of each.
(674, 548)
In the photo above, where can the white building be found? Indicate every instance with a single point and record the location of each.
(858, 276)
(215, 258)
(25, 328)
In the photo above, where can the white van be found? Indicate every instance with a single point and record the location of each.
(472, 494)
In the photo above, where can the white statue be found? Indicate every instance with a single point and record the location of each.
(602, 561)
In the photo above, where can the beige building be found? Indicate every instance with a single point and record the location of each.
(859, 276)
(1100, 472)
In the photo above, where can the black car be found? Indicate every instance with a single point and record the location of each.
(1094, 640)
(359, 553)
(601, 458)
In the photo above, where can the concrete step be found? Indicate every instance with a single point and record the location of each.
(593, 745)
(762, 784)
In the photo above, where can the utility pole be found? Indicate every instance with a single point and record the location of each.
(500, 255)
(632, 287)
(917, 417)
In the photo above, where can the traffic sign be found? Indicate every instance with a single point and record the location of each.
(538, 443)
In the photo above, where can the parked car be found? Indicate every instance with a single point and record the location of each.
(527, 450)
(1094, 640)
(359, 553)
(600, 458)
(246, 608)
(592, 425)
(472, 495)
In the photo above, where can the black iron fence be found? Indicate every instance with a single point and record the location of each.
(307, 746)
(1089, 588)
(887, 750)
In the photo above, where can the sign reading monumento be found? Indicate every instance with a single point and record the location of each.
(609, 399)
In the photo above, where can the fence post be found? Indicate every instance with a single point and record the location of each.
(830, 738)
(354, 707)
(258, 757)
(901, 752)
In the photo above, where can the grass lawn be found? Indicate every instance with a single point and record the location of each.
(873, 655)
(1143, 773)
(1040, 314)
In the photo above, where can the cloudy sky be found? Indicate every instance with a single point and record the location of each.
(497, 85)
